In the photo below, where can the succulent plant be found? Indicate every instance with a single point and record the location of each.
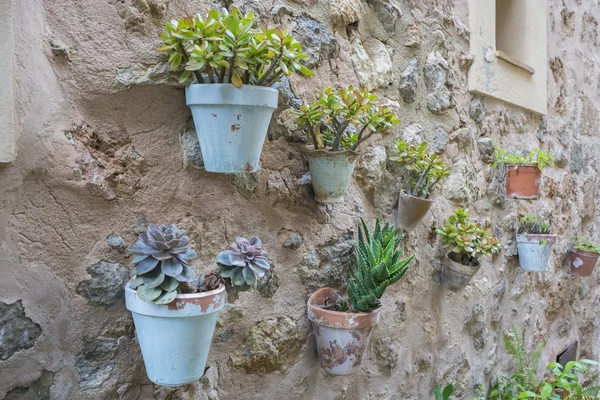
(161, 257)
(585, 244)
(378, 265)
(529, 224)
(245, 264)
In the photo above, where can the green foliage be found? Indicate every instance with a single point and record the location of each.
(161, 257)
(443, 394)
(344, 118)
(536, 157)
(423, 170)
(529, 224)
(227, 46)
(585, 244)
(467, 240)
(378, 265)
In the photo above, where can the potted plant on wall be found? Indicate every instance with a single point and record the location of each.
(534, 243)
(583, 255)
(523, 173)
(343, 326)
(467, 242)
(337, 123)
(423, 171)
(233, 63)
(174, 310)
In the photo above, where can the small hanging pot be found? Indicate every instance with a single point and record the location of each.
(341, 337)
(582, 262)
(411, 210)
(534, 251)
(523, 181)
(330, 172)
(456, 276)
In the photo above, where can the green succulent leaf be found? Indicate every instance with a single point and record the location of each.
(147, 293)
(166, 297)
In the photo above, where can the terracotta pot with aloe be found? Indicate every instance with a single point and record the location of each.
(523, 172)
(583, 256)
(337, 123)
(343, 325)
(467, 242)
(423, 171)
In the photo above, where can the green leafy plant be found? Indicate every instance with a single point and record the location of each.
(423, 170)
(536, 157)
(378, 265)
(468, 241)
(227, 46)
(529, 224)
(443, 394)
(585, 244)
(342, 119)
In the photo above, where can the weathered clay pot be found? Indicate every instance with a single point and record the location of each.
(411, 211)
(456, 276)
(523, 181)
(582, 262)
(342, 338)
(331, 173)
(533, 254)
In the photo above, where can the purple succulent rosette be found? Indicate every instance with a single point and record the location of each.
(161, 257)
(245, 264)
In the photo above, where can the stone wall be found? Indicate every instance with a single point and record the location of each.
(106, 146)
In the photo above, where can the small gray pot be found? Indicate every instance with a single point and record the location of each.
(411, 211)
(456, 276)
(330, 172)
(533, 253)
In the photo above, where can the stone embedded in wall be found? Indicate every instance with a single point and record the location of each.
(486, 149)
(119, 327)
(287, 98)
(437, 140)
(589, 31)
(269, 284)
(17, 331)
(190, 147)
(374, 178)
(140, 224)
(290, 239)
(246, 182)
(409, 81)
(143, 75)
(96, 361)
(106, 286)
(116, 242)
(412, 134)
(413, 37)
(439, 98)
(328, 264)
(317, 42)
(283, 125)
(36, 390)
(372, 63)
(579, 159)
(271, 345)
(476, 326)
(387, 13)
(344, 12)
(477, 109)
(388, 355)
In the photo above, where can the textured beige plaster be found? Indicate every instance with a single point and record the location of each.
(523, 37)
(8, 149)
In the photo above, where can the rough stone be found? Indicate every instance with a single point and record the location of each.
(143, 75)
(328, 264)
(486, 149)
(372, 63)
(116, 242)
(96, 361)
(439, 98)
(413, 134)
(271, 345)
(370, 169)
(290, 239)
(317, 42)
(477, 109)
(246, 183)
(107, 283)
(413, 37)
(438, 140)
(36, 390)
(287, 98)
(388, 355)
(269, 284)
(17, 331)
(409, 81)
(344, 12)
(387, 13)
(476, 326)
(190, 147)
(140, 224)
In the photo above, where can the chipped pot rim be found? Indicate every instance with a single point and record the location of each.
(338, 319)
(323, 152)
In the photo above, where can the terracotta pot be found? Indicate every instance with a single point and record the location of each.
(534, 251)
(456, 276)
(523, 181)
(342, 338)
(411, 210)
(330, 172)
(582, 262)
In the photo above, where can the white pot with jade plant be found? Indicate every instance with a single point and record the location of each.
(174, 310)
(337, 123)
(423, 171)
(233, 62)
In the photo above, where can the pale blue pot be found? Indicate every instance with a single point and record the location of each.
(330, 173)
(231, 124)
(175, 338)
(535, 251)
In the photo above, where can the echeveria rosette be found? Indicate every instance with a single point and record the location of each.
(161, 257)
(245, 264)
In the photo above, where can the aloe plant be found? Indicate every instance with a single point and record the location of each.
(378, 265)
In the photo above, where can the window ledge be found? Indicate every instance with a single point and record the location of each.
(503, 56)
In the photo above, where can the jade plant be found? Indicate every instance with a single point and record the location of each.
(585, 244)
(537, 157)
(467, 240)
(378, 265)
(342, 119)
(162, 271)
(423, 170)
(529, 224)
(224, 46)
